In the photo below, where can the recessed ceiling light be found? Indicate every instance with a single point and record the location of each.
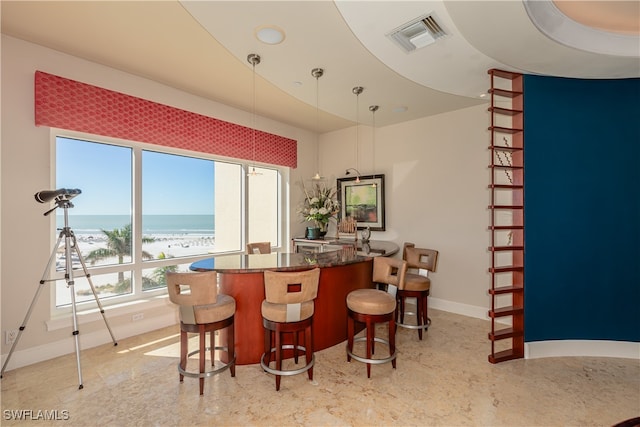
(270, 34)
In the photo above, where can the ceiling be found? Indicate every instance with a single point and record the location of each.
(201, 47)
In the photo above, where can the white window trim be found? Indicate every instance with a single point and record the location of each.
(88, 311)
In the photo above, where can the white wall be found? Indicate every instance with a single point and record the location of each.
(436, 180)
(436, 195)
(26, 153)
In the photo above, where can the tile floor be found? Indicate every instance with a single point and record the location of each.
(444, 380)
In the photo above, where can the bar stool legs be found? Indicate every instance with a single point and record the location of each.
(201, 330)
(422, 319)
(274, 332)
(370, 320)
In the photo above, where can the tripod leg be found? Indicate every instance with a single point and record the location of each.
(71, 285)
(76, 332)
(33, 303)
(93, 289)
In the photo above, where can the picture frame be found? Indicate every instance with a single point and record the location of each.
(362, 197)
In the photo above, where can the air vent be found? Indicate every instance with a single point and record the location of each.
(418, 33)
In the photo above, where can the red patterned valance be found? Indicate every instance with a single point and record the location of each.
(68, 104)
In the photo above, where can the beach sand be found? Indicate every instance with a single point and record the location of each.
(171, 245)
(164, 246)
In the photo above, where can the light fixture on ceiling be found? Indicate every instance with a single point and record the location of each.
(317, 73)
(269, 34)
(373, 109)
(551, 21)
(348, 172)
(253, 59)
(357, 91)
(417, 33)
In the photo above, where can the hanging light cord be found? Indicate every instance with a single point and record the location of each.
(317, 73)
(373, 109)
(253, 120)
(357, 90)
(253, 59)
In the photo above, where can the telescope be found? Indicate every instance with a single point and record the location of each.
(48, 195)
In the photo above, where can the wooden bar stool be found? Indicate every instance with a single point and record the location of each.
(202, 310)
(259, 248)
(372, 306)
(288, 309)
(416, 286)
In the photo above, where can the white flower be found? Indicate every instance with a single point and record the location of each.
(320, 205)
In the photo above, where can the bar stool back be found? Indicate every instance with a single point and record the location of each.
(259, 248)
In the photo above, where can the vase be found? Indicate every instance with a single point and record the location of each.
(313, 233)
(322, 229)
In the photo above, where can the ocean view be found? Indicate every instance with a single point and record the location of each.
(151, 224)
(174, 236)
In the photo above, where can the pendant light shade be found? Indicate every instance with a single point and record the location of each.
(253, 59)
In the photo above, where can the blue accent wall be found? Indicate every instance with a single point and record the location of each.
(582, 209)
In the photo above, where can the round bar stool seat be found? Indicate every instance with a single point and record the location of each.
(372, 306)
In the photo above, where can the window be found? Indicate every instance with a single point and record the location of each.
(263, 206)
(144, 211)
(177, 210)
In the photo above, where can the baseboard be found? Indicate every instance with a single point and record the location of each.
(554, 348)
(582, 348)
(21, 358)
(458, 308)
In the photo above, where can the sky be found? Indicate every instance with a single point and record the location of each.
(171, 184)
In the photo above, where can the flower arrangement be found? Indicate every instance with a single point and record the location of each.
(320, 205)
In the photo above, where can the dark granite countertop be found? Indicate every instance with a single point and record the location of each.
(279, 261)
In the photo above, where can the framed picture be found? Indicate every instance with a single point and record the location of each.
(362, 199)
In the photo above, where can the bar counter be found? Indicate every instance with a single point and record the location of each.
(241, 276)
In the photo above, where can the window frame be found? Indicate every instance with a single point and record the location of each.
(137, 265)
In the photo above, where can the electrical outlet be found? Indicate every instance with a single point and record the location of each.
(137, 316)
(10, 336)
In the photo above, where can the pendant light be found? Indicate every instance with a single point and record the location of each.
(373, 109)
(253, 59)
(317, 73)
(357, 91)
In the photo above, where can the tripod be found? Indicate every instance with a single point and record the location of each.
(63, 201)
